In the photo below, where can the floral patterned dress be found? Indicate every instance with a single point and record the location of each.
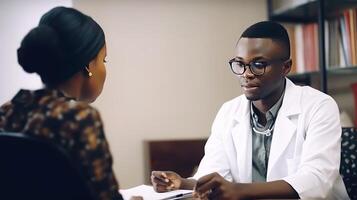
(76, 126)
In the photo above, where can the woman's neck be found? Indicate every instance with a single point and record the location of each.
(72, 87)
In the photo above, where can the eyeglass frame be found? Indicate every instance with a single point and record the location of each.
(268, 63)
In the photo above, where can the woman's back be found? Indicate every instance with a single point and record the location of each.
(76, 126)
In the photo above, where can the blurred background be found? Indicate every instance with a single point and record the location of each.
(168, 72)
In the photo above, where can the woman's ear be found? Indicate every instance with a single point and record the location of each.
(89, 73)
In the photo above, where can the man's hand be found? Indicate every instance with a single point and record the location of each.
(164, 181)
(214, 186)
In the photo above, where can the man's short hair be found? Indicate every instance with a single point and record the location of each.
(269, 29)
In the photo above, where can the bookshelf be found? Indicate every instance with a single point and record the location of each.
(325, 24)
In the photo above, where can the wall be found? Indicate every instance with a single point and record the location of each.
(168, 70)
(17, 18)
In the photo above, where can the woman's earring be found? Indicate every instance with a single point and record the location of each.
(89, 73)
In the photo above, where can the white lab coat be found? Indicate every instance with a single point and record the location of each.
(305, 149)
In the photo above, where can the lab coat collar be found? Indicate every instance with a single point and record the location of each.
(285, 128)
(291, 99)
(242, 139)
(283, 131)
(290, 103)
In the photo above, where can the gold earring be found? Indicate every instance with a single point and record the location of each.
(89, 73)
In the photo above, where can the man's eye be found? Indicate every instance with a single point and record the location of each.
(259, 64)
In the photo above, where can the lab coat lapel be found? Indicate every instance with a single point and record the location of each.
(285, 128)
(242, 138)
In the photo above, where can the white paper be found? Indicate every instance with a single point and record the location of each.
(148, 193)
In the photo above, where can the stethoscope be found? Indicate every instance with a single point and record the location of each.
(266, 132)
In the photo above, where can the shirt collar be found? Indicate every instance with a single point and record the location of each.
(272, 112)
(27, 96)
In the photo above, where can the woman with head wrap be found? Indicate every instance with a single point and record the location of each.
(67, 50)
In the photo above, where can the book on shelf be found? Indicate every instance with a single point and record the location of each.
(310, 47)
(303, 47)
(299, 46)
(346, 28)
(353, 34)
(290, 28)
(340, 43)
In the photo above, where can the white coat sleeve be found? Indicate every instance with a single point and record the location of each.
(215, 158)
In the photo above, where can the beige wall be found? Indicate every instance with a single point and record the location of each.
(167, 70)
(17, 18)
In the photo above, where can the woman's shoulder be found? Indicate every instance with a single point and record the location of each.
(58, 106)
(72, 117)
(50, 105)
(84, 111)
(6, 106)
(71, 108)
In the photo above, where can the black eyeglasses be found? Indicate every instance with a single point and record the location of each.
(256, 67)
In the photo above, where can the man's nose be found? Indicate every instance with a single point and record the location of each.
(247, 73)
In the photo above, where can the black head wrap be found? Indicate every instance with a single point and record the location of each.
(63, 43)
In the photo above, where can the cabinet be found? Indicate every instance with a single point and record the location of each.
(333, 34)
(180, 156)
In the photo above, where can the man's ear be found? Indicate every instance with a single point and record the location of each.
(287, 66)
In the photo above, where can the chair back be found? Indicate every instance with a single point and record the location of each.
(348, 166)
(38, 169)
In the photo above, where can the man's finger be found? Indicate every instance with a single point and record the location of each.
(159, 180)
(164, 175)
(207, 186)
(204, 179)
(159, 175)
(160, 188)
(136, 198)
(207, 182)
(215, 194)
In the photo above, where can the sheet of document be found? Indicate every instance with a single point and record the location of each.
(148, 193)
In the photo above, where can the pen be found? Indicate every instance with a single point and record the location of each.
(178, 196)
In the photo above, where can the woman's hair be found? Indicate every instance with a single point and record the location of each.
(63, 43)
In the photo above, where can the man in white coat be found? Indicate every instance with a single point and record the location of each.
(277, 141)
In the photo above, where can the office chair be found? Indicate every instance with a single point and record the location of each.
(36, 169)
(348, 167)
